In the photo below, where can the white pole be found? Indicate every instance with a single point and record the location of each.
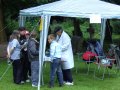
(43, 39)
(22, 20)
(46, 27)
(40, 53)
(102, 34)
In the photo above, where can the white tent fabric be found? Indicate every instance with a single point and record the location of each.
(75, 8)
(68, 8)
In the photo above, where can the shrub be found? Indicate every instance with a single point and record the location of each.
(116, 26)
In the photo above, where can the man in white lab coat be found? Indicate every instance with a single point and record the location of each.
(67, 54)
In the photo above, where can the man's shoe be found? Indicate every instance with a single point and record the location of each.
(22, 82)
(64, 82)
(28, 80)
(34, 85)
(69, 83)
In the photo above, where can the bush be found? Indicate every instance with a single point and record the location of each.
(116, 26)
(11, 25)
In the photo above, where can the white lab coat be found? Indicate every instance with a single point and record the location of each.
(67, 53)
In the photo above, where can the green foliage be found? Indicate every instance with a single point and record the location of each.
(67, 26)
(116, 26)
(83, 20)
(84, 24)
(11, 13)
(32, 23)
(11, 25)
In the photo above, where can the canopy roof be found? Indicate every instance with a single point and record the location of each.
(75, 8)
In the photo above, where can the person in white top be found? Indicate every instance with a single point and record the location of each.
(55, 54)
(67, 54)
(13, 51)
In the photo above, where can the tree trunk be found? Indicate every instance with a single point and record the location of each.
(77, 30)
(2, 32)
(76, 39)
(108, 32)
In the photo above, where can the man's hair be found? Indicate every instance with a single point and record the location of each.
(58, 28)
(21, 28)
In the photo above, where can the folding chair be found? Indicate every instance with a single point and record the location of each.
(117, 57)
(107, 63)
(87, 59)
(87, 63)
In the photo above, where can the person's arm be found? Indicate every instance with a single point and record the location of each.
(65, 46)
(11, 49)
(65, 43)
(52, 51)
(8, 51)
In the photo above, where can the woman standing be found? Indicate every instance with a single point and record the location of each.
(14, 49)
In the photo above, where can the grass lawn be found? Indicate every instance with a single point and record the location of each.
(81, 82)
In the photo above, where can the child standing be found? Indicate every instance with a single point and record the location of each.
(33, 55)
(55, 54)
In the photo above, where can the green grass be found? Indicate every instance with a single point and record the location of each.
(81, 81)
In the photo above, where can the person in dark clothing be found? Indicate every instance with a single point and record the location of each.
(26, 70)
(33, 55)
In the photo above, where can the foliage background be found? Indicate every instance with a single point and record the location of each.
(12, 12)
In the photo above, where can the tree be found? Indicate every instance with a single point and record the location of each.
(108, 31)
(77, 30)
(2, 31)
(10, 14)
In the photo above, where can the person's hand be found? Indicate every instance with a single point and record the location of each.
(8, 56)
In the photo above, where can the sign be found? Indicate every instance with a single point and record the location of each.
(95, 18)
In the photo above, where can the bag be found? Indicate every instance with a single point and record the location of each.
(88, 55)
(105, 61)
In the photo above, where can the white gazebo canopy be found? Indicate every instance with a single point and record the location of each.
(68, 8)
(75, 8)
